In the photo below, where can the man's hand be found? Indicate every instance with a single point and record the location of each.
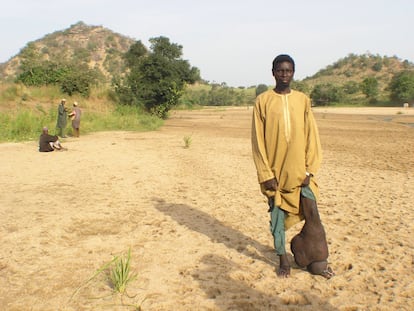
(270, 184)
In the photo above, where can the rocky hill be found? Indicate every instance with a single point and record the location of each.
(97, 46)
(102, 49)
(356, 68)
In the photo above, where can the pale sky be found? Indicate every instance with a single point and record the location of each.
(231, 41)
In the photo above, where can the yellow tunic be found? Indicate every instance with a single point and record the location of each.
(285, 143)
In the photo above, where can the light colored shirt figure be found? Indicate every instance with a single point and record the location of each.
(75, 116)
(286, 146)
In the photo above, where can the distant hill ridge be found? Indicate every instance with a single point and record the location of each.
(97, 46)
(358, 67)
(102, 49)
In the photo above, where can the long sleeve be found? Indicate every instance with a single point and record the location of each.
(264, 171)
(313, 146)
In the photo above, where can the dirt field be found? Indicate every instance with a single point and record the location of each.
(195, 220)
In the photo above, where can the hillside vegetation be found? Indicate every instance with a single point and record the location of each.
(100, 48)
(88, 63)
(348, 75)
(358, 67)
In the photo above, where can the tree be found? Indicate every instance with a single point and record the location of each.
(135, 54)
(369, 86)
(222, 95)
(300, 86)
(261, 88)
(402, 87)
(351, 87)
(72, 77)
(157, 77)
(324, 94)
(78, 79)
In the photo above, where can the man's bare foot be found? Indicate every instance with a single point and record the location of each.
(327, 273)
(284, 267)
(321, 268)
(283, 272)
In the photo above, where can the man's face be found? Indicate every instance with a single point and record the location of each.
(283, 73)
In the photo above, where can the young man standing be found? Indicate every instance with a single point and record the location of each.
(287, 155)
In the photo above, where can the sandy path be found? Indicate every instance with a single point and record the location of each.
(196, 222)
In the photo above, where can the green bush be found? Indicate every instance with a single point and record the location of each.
(261, 88)
(402, 87)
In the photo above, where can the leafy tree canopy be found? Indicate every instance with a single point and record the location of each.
(325, 94)
(261, 88)
(71, 77)
(402, 87)
(369, 87)
(157, 77)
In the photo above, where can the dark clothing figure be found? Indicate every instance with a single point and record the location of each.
(45, 141)
(62, 118)
(48, 143)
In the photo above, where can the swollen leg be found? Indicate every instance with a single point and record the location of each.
(310, 247)
(299, 251)
(313, 234)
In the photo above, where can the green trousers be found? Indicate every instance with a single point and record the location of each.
(277, 221)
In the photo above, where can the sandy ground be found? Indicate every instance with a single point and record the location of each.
(195, 220)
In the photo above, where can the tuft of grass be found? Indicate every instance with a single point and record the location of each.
(98, 272)
(120, 274)
(118, 270)
(187, 141)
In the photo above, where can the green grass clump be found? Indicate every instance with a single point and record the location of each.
(187, 141)
(120, 274)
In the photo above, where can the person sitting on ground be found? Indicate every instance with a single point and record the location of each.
(48, 143)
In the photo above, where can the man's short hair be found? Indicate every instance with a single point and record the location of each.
(283, 58)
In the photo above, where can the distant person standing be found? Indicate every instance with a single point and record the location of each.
(62, 118)
(75, 116)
